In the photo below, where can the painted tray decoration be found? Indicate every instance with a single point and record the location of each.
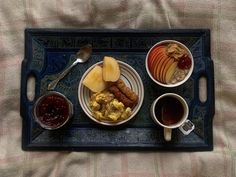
(49, 51)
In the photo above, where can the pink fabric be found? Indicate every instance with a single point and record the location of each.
(219, 16)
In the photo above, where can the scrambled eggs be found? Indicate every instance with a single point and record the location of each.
(105, 107)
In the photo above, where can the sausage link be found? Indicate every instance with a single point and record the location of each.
(127, 91)
(121, 97)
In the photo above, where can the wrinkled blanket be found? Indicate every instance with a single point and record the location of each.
(219, 16)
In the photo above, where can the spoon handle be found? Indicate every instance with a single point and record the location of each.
(53, 84)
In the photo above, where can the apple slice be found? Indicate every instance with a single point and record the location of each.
(154, 56)
(159, 50)
(166, 67)
(111, 69)
(158, 59)
(159, 67)
(94, 80)
(155, 50)
(170, 72)
(155, 61)
(158, 64)
(163, 67)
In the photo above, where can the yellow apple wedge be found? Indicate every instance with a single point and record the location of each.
(166, 67)
(162, 68)
(170, 71)
(94, 80)
(111, 69)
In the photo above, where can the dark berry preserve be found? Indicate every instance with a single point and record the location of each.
(185, 62)
(52, 110)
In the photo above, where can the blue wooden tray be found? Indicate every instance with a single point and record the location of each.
(49, 51)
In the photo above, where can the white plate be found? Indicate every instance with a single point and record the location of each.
(131, 79)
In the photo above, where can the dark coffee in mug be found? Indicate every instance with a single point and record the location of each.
(169, 110)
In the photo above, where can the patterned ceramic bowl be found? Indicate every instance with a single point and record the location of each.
(131, 79)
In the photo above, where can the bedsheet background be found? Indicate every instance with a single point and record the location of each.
(218, 15)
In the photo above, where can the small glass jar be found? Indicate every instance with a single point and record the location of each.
(52, 110)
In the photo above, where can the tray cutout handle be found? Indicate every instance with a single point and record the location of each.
(205, 84)
(202, 95)
(30, 88)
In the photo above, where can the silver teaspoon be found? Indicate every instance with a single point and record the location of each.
(81, 56)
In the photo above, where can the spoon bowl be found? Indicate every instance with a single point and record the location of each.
(84, 53)
(81, 56)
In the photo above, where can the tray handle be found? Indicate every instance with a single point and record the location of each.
(29, 87)
(208, 74)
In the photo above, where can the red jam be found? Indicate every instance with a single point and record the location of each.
(185, 62)
(52, 110)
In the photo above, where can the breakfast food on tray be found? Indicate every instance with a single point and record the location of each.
(97, 79)
(127, 91)
(124, 93)
(111, 69)
(106, 107)
(94, 80)
(111, 99)
(121, 96)
(169, 63)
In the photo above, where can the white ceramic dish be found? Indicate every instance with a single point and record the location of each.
(186, 77)
(131, 79)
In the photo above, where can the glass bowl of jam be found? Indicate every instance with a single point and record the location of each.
(52, 110)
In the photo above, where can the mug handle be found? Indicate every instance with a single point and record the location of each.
(167, 134)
